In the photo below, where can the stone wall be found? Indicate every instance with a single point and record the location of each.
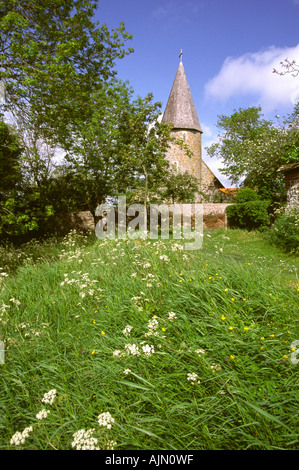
(195, 165)
(82, 221)
(178, 157)
(214, 217)
(291, 173)
(292, 186)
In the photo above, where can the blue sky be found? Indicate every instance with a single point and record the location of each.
(229, 50)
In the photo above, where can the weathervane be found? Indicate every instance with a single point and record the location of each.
(181, 55)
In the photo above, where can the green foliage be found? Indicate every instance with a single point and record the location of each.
(246, 194)
(179, 187)
(250, 212)
(95, 157)
(10, 151)
(285, 231)
(143, 142)
(291, 147)
(253, 149)
(236, 131)
(55, 57)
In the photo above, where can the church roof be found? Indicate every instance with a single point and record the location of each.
(180, 109)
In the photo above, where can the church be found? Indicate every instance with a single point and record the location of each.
(181, 113)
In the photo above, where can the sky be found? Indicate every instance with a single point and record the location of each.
(230, 48)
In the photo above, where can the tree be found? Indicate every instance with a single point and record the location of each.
(94, 155)
(250, 211)
(179, 187)
(10, 151)
(288, 66)
(252, 150)
(291, 146)
(143, 144)
(53, 56)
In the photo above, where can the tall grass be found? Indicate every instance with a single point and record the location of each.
(184, 349)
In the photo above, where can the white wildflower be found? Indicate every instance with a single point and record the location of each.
(110, 445)
(49, 397)
(42, 414)
(118, 353)
(133, 349)
(20, 437)
(193, 377)
(153, 324)
(148, 350)
(127, 330)
(200, 351)
(127, 371)
(83, 440)
(16, 302)
(215, 368)
(171, 315)
(105, 419)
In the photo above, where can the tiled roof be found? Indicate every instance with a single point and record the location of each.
(180, 109)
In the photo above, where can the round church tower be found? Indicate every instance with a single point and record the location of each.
(181, 113)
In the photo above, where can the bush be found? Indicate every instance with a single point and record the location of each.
(250, 212)
(246, 195)
(285, 231)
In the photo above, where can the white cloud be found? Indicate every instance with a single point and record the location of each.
(252, 75)
(176, 11)
(206, 130)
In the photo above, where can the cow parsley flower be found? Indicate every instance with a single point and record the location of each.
(118, 353)
(42, 414)
(49, 397)
(83, 440)
(105, 419)
(133, 349)
(153, 324)
(148, 350)
(110, 445)
(192, 377)
(20, 437)
(215, 367)
(200, 351)
(127, 330)
(171, 315)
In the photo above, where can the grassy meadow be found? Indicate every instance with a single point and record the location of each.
(142, 345)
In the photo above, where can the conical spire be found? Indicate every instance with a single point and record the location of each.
(180, 109)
